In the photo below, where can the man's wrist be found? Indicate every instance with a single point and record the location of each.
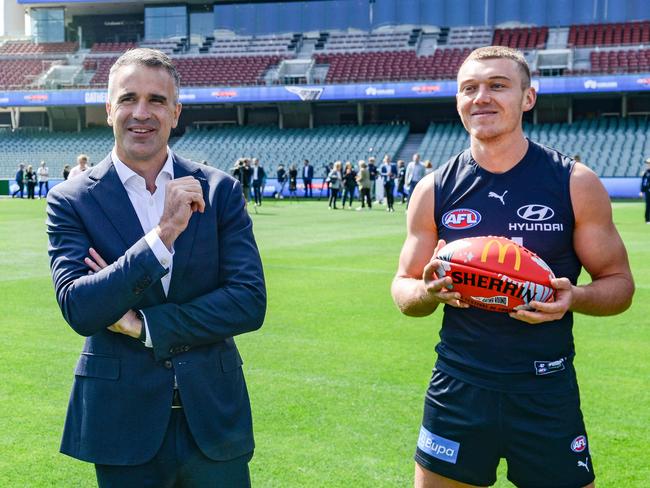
(167, 236)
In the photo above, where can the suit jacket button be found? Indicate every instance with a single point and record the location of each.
(168, 364)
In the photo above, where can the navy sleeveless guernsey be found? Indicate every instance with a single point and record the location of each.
(531, 204)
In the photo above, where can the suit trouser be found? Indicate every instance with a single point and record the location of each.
(647, 206)
(179, 463)
(257, 193)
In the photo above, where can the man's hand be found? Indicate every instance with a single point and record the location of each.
(546, 312)
(129, 324)
(440, 288)
(183, 196)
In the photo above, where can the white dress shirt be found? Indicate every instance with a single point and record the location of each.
(149, 209)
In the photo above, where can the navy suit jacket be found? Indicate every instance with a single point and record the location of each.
(310, 173)
(122, 393)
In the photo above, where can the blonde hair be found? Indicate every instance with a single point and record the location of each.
(502, 52)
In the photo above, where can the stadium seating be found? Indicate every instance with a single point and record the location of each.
(21, 48)
(222, 146)
(367, 41)
(200, 71)
(30, 146)
(521, 38)
(393, 65)
(609, 146)
(620, 61)
(20, 73)
(469, 37)
(609, 34)
(250, 45)
(112, 47)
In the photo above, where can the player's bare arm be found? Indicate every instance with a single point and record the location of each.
(601, 252)
(416, 289)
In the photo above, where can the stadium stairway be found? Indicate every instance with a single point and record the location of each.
(410, 147)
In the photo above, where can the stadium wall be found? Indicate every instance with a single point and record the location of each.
(315, 15)
(616, 187)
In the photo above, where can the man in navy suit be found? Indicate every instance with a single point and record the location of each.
(307, 176)
(154, 261)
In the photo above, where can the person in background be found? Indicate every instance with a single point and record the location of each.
(66, 172)
(363, 180)
(645, 189)
(307, 177)
(43, 174)
(388, 172)
(414, 173)
(372, 171)
(293, 181)
(81, 167)
(428, 167)
(281, 181)
(401, 177)
(334, 179)
(349, 184)
(30, 181)
(258, 178)
(20, 181)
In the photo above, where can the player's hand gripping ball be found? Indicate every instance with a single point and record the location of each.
(495, 273)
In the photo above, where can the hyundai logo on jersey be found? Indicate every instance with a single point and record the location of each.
(535, 212)
(461, 218)
(438, 447)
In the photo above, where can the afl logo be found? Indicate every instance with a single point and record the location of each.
(461, 218)
(579, 444)
(535, 212)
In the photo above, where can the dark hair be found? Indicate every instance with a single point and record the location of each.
(502, 52)
(151, 58)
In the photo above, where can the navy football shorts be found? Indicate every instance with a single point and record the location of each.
(466, 430)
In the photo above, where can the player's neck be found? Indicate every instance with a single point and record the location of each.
(500, 154)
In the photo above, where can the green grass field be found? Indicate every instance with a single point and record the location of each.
(336, 375)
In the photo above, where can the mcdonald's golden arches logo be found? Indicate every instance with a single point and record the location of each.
(503, 250)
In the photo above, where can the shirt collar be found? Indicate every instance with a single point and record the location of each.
(125, 173)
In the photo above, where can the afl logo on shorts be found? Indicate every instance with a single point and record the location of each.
(579, 444)
(461, 218)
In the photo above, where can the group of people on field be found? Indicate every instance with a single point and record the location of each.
(367, 181)
(27, 178)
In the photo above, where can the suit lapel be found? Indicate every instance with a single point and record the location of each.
(183, 245)
(111, 196)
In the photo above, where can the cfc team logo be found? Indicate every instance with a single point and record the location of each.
(461, 218)
(503, 250)
(579, 444)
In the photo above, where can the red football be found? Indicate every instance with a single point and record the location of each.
(495, 273)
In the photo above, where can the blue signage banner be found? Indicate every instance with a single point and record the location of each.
(312, 93)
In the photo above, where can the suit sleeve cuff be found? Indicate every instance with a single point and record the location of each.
(147, 342)
(159, 249)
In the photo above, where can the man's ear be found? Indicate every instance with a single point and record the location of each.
(530, 97)
(109, 119)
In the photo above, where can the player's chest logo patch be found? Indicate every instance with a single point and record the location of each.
(461, 218)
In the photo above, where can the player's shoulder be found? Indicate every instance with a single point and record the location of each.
(458, 160)
(551, 155)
